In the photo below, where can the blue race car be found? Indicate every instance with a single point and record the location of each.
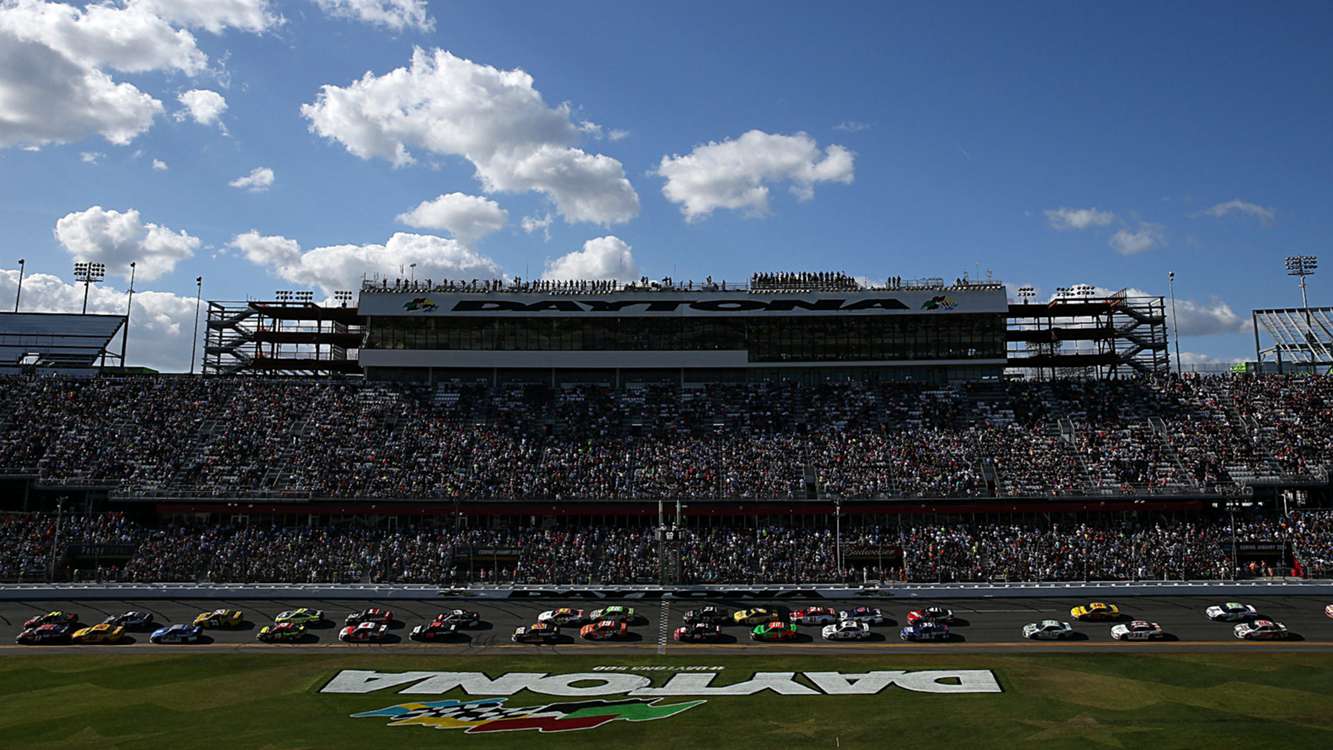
(925, 630)
(179, 633)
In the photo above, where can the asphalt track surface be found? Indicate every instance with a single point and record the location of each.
(986, 625)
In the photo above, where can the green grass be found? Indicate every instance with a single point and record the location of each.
(267, 700)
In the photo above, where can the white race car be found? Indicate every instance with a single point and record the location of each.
(1048, 630)
(815, 616)
(1138, 630)
(1261, 630)
(1231, 612)
(847, 630)
(867, 615)
(564, 617)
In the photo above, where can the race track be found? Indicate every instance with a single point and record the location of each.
(990, 624)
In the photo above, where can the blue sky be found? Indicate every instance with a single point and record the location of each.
(1047, 143)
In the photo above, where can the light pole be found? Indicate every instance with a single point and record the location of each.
(1175, 324)
(89, 274)
(129, 305)
(198, 297)
(19, 294)
(1301, 266)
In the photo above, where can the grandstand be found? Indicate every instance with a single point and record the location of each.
(67, 343)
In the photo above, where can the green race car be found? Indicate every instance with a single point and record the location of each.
(774, 631)
(302, 616)
(614, 612)
(283, 631)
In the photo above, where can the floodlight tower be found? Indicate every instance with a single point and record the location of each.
(1301, 266)
(89, 274)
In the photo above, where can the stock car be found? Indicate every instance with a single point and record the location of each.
(1138, 630)
(459, 618)
(133, 620)
(1048, 630)
(604, 630)
(1261, 630)
(563, 617)
(51, 632)
(708, 615)
(752, 616)
(613, 612)
(930, 614)
(436, 630)
(1095, 612)
(539, 633)
(925, 630)
(178, 633)
(1231, 612)
(281, 631)
(365, 632)
(374, 615)
(51, 618)
(815, 616)
(847, 630)
(1328, 611)
(99, 633)
(224, 619)
(867, 615)
(698, 632)
(777, 630)
(302, 616)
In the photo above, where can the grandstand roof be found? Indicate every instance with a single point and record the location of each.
(55, 339)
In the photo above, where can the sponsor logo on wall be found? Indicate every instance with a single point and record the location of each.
(491, 715)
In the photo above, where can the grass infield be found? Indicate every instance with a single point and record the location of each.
(268, 700)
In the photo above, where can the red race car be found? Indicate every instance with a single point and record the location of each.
(439, 629)
(930, 614)
(815, 616)
(51, 618)
(51, 632)
(373, 614)
(366, 632)
(605, 630)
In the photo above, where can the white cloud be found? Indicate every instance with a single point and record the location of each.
(616, 134)
(1264, 214)
(396, 15)
(159, 165)
(494, 118)
(343, 266)
(541, 224)
(47, 98)
(852, 126)
(116, 238)
(161, 323)
(259, 180)
(736, 173)
(1146, 237)
(1210, 318)
(202, 106)
(91, 157)
(1078, 218)
(466, 217)
(215, 16)
(602, 259)
(129, 39)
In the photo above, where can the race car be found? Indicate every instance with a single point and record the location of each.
(1261, 630)
(99, 633)
(867, 615)
(563, 617)
(365, 632)
(178, 633)
(1328, 611)
(752, 616)
(815, 616)
(51, 632)
(777, 630)
(613, 612)
(459, 618)
(373, 614)
(925, 630)
(1231, 612)
(50, 618)
(1095, 612)
(847, 630)
(699, 632)
(709, 615)
(224, 619)
(1048, 630)
(540, 633)
(132, 620)
(604, 630)
(930, 614)
(281, 631)
(1138, 630)
(302, 616)
(436, 630)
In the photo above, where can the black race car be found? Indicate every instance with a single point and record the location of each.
(373, 614)
(708, 616)
(540, 633)
(699, 632)
(459, 618)
(132, 620)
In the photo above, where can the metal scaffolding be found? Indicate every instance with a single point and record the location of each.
(1302, 337)
(281, 337)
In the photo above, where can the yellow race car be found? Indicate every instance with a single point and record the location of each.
(1095, 612)
(224, 619)
(100, 633)
(753, 616)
